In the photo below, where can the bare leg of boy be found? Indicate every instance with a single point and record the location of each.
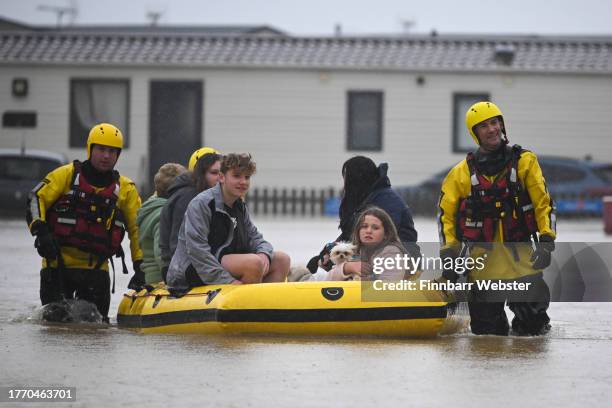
(255, 268)
(279, 268)
(247, 268)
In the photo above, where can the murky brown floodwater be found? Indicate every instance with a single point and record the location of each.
(572, 366)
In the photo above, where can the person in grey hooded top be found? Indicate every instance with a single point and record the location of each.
(203, 174)
(218, 243)
(148, 221)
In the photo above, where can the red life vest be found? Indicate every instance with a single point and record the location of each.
(89, 220)
(503, 199)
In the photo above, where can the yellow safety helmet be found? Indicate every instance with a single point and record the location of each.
(104, 134)
(199, 153)
(479, 112)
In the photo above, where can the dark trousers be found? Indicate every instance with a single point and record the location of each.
(92, 285)
(193, 279)
(488, 316)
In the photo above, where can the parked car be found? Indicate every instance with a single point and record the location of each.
(576, 186)
(20, 171)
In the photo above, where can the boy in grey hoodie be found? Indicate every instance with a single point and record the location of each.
(217, 241)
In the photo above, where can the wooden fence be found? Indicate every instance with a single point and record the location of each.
(293, 201)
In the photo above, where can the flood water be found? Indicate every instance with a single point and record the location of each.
(571, 366)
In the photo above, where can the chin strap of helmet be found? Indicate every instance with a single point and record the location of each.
(504, 138)
(503, 130)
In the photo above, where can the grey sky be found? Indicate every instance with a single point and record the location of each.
(318, 17)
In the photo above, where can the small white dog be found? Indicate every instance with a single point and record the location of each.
(342, 252)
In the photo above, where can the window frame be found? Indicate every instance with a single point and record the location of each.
(481, 96)
(350, 142)
(71, 120)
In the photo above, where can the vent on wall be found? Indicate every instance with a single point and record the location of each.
(19, 87)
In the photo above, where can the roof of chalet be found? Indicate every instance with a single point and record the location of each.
(463, 53)
(10, 24)
(7, 24)
(226, 30)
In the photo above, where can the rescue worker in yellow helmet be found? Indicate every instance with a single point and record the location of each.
(204, 169)
(79, 215)
(495, 204)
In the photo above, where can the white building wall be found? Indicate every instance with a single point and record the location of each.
(49, 97)
(294, 121)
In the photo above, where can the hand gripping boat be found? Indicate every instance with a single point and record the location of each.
(297, 308)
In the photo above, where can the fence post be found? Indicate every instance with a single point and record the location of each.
(303, 201)
(265, 200)
(275, 201)
(293, 201)
(284, 201)
(313, 201)
(254, 198)
(322, 202)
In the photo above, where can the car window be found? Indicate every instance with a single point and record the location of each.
(559, 173)
(26, 168)
(605, 173)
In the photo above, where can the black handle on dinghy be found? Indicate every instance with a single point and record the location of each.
(332, 293)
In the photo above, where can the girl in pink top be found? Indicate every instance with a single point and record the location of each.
(374, 236)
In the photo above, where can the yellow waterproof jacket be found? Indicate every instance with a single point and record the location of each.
(59, 182)
(500, 261)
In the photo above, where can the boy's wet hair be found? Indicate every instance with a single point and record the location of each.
(243, 162)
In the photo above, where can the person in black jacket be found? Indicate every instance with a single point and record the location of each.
(204, 174)
(367, 185)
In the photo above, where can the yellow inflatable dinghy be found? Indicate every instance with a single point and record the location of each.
(297, 308)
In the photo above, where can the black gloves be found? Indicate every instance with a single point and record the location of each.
(448, 273)
(313, 264)
(541, 257)
(320, 261)
(45, 242)
(138, 280)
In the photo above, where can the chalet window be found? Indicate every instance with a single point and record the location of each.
(95, 101)
(365, 120)
(462, 140)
